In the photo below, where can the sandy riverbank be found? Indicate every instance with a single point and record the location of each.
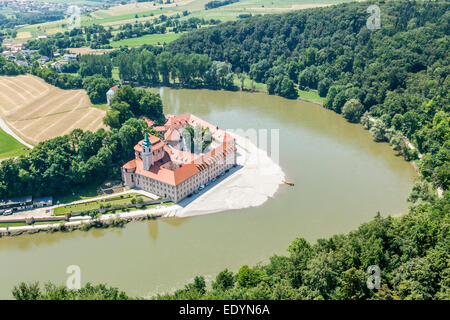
(256, 178)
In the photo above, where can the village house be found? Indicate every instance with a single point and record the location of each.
(171, 171)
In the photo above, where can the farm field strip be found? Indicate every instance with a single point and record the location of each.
(68, 116)
(33, 131)
(52, 101)
(29, 92)
(95, 123)
(37, 111)
(81, 120)
(18, 92)
(25, 104)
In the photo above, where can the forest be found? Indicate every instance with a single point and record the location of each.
(149, 66)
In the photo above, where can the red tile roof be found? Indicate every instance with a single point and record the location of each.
(172, 135)
(130, 164)
(154, 140)
(167, 176)
(160, 128)
(150, 123)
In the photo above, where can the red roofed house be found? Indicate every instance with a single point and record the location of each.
(163, 169)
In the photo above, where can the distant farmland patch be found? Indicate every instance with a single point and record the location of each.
(37, 111)
(153, 39)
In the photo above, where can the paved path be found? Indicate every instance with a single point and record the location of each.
(5, 128)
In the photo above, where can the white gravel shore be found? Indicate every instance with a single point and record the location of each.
(256, 178)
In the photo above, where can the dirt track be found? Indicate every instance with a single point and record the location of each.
(37, 111)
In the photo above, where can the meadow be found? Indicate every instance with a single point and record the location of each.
(10, 147)
(153, 39)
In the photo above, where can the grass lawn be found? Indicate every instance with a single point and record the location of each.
(95, 205)
(100, 106)
(248, 83)
(115, 74)
(311, 95)
(10, 147)
(21, 224)
(12, 224)
(153, 39)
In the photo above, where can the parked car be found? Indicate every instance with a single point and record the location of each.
(1, 212)
(8, 212)
(201, 187)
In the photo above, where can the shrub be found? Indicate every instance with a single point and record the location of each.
(353, 110)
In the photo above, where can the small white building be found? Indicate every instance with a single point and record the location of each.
(110, 95)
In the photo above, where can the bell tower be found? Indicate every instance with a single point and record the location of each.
(147, 154)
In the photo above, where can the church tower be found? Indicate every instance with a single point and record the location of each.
(147, 154)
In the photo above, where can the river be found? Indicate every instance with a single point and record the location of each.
(342, 179)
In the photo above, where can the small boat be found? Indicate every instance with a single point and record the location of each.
(288, 183)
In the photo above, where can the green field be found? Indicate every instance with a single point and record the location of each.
(113, 201)
(153, 39)
(10, 147)
(311, 95)
(100, 106)
(248, 84)
(115, 73)
(87, 21)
